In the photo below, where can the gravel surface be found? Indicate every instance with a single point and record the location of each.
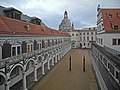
(60, 78)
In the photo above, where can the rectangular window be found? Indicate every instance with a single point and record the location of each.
(80, 38)
(83, 38)
(114, 41)
(18, 50)
(72, 34)
(87, 33)
(84, 44)
(13, 51)
(118, 41)
(87, 38)
(28, 48)
(76, 34)
(91, 38)
(91, 33)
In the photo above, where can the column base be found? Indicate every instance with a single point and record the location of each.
(36, 80)
(43, 73)
(25, 89)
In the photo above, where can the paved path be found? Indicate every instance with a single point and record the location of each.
(60, 78)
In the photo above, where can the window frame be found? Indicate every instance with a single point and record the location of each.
(16, 50)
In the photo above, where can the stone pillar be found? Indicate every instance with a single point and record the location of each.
(35, 73)
(43, 69)
(48, 64)
(24, 80)
(52, 61)
(55, 58)
(7, 73)
(7, 85)
(58, 56)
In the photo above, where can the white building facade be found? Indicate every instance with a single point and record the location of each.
(83, 38)
(106, 50)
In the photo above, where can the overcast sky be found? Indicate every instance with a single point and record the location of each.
(81, 12)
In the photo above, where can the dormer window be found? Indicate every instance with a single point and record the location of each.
(29, 47)
(109, 15)
(115, 27)
(35, 20)
(12, 13)
(15, 50)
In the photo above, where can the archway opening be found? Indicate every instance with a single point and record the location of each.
(30, 73)
(39, 70)
(2, 83)
(46, 64)
(16, 78)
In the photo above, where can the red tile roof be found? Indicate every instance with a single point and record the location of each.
(110, 22)
(17, 27)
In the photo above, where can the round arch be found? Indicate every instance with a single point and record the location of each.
(16, 65)
(29, 61)
(39, 59)
(3, 75)
(46, 56)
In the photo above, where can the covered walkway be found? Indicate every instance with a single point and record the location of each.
(61, 78)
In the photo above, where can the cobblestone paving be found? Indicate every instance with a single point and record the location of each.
(60, 78)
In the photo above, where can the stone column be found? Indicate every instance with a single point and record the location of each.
(7, 73)
(7, 85)
(58, 56)
(52, 61)
(35, 73)
(43, 68)
(24, 80)
(55, 58)
(48, 64)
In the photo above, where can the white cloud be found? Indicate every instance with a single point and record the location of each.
(81, 12)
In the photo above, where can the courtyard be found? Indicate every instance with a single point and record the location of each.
(62, 78)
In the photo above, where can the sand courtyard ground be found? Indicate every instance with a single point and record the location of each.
(61, 78)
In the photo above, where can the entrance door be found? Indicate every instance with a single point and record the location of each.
(80, 45)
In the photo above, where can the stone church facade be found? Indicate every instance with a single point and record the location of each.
(66, 25)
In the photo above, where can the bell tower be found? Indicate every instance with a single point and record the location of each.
(65, 15)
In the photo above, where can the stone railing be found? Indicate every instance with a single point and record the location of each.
(112, 51)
